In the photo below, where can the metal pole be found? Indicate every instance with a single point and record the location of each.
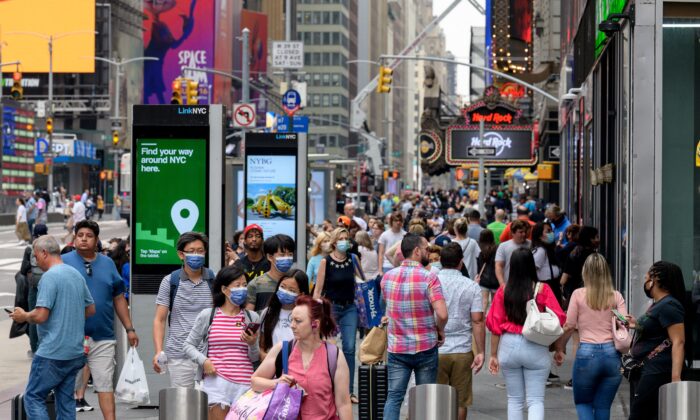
(245, 95)
(481, 169)
(359, 173)
(387, 129)
(115, 193)
(288, 37)
(50, 114)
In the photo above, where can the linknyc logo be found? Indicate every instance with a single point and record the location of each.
(192, 111)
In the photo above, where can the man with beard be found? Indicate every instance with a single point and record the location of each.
(253, 263)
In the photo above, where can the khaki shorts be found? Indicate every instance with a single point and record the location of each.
(456, 370)
(101, 361)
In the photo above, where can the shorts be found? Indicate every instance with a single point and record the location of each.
(486, 289)
(456, 370)
(222, 392)
(101, 361)
(182, 373)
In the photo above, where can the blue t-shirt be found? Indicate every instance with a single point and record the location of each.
(105, 284)
(62, 290)
(387, 204)
(312, 269)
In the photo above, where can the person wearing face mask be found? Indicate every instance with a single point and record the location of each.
(545, 258)
(279, 251)
(660, 338)
(320, 249)
(336, 282)
(224, 343)
(277, 317)
(182, 295)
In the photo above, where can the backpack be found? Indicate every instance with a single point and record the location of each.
(331, 353)
(175, 283)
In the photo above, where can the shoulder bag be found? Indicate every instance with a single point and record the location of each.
(542, 328)
(631, 368)
(621, 336)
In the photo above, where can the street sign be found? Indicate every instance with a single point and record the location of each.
(116, 125)
(299, 124)
(288, 54)
(244, 115)
(291, 101)
(554, 152)
(481, 151)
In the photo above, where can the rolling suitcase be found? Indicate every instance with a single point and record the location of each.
(18, 407)
(373, 384)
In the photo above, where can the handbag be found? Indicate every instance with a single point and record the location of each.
(251, 405)
(362, 318)
(374, 346)
(542, 328)
(285, 402)
(631, 368)
(621, 336)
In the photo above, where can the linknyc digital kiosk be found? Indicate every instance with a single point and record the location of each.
(177, 186)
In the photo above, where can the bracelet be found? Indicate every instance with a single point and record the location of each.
(128, 330)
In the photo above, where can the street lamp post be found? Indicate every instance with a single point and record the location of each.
(50, 39)
(117, 103)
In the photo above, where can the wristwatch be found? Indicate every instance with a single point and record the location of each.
(128, 330)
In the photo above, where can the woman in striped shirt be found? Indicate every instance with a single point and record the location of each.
(224, 342)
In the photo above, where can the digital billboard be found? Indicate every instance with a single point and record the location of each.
(70, 22)
(317, 197)
(169, 175)
(271, 193)
(179, 33)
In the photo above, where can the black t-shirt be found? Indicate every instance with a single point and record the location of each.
(652, 331)
(339, 285)
(574, 268)
(253, 269)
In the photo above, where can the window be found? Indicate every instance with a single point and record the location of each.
(326, 79)
(326, 101)
(335, 100)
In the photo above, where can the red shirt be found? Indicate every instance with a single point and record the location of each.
(507, 236)
(227, 350)
(497, 321)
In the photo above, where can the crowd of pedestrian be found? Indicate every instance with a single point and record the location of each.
(451, 275)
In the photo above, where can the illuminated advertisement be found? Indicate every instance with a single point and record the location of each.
(18, 139)
(180, 33)
(521, 20)
(317, 197)
(71, 22)
(514, 145)
(167, 171)
(271, 193)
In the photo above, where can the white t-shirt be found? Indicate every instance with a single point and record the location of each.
(360, 222)
(471, 251)
(389, 238)
(505, 250)
(542, 264)
(369, 262)
(283, 329)
(78, 212)
(22, 214)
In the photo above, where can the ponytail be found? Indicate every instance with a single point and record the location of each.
(319, 310)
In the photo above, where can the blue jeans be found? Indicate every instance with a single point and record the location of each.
(525, 367)
(596, 379)
(400, 366)
(346, 318)
(45, 375)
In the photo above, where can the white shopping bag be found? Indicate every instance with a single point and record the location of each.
(132, 387)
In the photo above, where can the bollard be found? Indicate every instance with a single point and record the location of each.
(432, 402)
(679, 401)
(182, 404)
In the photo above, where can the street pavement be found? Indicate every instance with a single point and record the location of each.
(490, 401)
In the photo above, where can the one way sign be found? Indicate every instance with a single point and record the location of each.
(481, 151)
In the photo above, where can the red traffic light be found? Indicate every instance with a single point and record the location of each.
(17, 76)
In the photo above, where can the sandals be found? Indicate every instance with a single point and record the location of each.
(353, 399)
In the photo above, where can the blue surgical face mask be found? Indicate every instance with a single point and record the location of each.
(194, 261)
(549, 238)
(238, 295)
(436, 265)
(286, 297)
(343, 246)
(283, 264)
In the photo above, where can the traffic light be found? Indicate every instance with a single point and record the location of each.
(103, 175)
(16, 91)
(192, 92)
(49, 125)
(176, 99)
(385, 79)
(115, 138)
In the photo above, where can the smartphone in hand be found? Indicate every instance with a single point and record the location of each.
(252, 327)
(620, 317)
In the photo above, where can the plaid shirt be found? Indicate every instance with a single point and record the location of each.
(409, 291)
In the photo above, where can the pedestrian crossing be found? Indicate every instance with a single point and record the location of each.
(10, 264)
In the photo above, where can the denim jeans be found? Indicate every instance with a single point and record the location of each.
(400, 366)
(596, 378)
(525, 367)
(32, 333)
(346, 318)
(45, 375)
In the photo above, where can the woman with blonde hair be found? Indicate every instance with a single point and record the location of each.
(320, 249)
(596, 373)
(336, 282)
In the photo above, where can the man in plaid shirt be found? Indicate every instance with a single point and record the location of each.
(417, 316)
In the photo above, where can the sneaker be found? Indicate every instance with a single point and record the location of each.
(81, 405)
(552, 377)
(78, 406)
(548, 383)
(569, 385)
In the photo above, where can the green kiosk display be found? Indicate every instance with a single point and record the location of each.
(177, 186)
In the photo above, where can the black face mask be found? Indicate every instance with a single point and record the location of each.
(648, 291)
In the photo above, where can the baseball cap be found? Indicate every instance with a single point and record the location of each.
(40, 230)
(442, 240)
(252, 227)
(345, 220)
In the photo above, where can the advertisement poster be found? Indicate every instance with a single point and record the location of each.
(240, 200)
(271, 193)
(317, 197)
(169, 200)
(179, 33)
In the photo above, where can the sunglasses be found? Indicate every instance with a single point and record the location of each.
(88, 268)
